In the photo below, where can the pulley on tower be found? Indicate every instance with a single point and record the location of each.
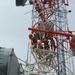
(20, 2)
(31, 2)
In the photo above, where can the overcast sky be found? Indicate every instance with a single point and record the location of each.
(14, 25)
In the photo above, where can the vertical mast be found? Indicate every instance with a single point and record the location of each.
(61, 13)
(54, 14)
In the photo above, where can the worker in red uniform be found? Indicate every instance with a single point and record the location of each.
(33, 40)
(52, 44)
(52, 41)
(45, 41)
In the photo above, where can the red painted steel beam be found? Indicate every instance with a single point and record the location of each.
(51, 32)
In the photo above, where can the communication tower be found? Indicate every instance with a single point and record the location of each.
(51, 47)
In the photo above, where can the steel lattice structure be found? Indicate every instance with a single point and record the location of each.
(49, 23)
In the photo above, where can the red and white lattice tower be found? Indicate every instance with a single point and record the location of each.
(51, 46)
